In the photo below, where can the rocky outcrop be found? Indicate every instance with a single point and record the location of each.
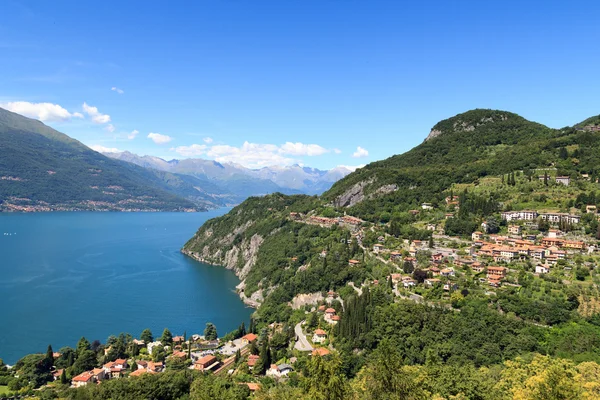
(433, 134)
(302, 300)
(353, 195)
(385, 189)
(464, 126)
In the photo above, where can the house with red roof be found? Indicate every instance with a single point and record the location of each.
(248, 338)
(319, 336)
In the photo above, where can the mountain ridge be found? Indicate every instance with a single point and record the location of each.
(42, 169)
(294, 179)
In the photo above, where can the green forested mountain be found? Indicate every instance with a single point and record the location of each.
(43, 169)
(398, 272)
(464, 149)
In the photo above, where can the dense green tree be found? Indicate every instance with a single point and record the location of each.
(325, 380)
(82, 345)
(48, 361)
(146, 336)
(86, 361)
(264, 362)
(63, 377)
(385, 378)
(167, 337)
(159, 354)
(210, 331)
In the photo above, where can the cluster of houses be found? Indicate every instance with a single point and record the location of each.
(549, 249)
(494, 276)
(531, 215)
(346, 221)
(116, 369)
(330, 314)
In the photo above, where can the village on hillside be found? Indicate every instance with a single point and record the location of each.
(551, 249)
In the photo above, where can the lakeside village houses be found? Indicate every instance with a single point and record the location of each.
(205, 360)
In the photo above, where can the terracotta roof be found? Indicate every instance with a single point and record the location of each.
(83, 377)
(207, 359)
(320, 351)
(252, 386)
(141, 372)
(320, 332)
(330, 310)
(250, 337)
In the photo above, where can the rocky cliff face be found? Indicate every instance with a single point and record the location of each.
(229, 252)
(433, 134)
(354, 195)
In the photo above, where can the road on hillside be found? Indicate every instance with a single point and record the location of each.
(302, 343)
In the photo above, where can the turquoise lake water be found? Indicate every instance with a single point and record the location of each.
(67, 275)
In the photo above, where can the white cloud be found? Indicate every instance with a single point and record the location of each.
(158, 138)
(116, 89)
(96, 116)
(301, 149)
(351, 167)
(253, 155)
(337, 151)
(110, 128)
(360, 152)
(41, 111)
(102, 149)
(133, 134)
(208, 140)
(191, 151)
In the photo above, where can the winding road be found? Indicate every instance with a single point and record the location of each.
(302, 343)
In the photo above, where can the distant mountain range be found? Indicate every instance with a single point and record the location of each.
(42, 169)
(241, 182)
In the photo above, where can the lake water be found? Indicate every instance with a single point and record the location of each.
(67, 275)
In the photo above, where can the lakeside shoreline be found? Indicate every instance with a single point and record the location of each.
(197, 257)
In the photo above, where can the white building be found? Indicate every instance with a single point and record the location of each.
(542, 269)
(320, 336)
(150, 346)
(524, 215)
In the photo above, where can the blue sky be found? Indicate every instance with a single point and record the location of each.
(322, 83)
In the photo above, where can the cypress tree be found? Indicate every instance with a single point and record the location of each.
(63, 377)
(48, 360)
(264, 361)
(133, 366)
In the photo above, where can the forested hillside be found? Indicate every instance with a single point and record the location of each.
(42, 169)
(474, 252)
(464, 149)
